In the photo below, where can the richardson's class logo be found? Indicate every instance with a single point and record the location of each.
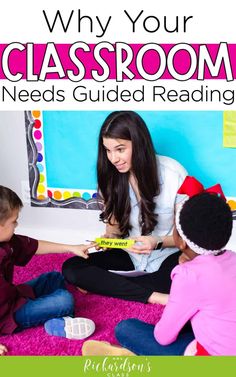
(118, 366)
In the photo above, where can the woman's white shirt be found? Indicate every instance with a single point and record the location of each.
(171, 176)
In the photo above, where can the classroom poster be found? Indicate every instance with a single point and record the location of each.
(173, 58)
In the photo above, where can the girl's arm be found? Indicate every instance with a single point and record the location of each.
(182, 305)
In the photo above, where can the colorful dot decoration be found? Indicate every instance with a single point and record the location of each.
(40, 167)
(60, 195)
(66, 195)
(37, 123)
(39, 146)
(40, 157)
(57, 195)
(38, 139)
(41, 197)
(50, 195)
(76, 194)
(41, 188)
(36, 114)
(86, 196)
(37, 135)
(232, 204)
(41, 178)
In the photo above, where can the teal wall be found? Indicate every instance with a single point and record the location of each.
(194, 138)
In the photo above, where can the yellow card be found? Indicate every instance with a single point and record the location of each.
(114, 243)
(229, 129)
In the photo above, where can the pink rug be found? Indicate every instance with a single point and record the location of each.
(105, 312)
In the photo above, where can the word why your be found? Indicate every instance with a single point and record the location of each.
(100, 25)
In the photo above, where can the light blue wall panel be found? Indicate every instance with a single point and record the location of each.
(194, 138)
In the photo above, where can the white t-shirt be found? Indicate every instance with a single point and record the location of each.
(171, 176)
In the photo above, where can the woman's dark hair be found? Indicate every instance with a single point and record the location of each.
(114, 186)
(206, 220)
(9, 201)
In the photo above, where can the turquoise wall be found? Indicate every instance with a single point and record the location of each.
(194, 138)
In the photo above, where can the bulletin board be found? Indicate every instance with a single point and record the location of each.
(62, 152)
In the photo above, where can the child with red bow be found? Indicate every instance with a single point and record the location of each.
(202, 289)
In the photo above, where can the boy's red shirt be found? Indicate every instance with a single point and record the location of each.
(18, 251)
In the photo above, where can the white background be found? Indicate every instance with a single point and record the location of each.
(213, 21)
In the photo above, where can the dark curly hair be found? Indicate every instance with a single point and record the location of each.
(206, 220)
(9, 201)
(114, 186)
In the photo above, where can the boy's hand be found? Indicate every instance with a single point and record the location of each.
(3, 350)
(81, 250)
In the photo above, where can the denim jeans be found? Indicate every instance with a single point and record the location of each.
(51, 300)
(139, 338)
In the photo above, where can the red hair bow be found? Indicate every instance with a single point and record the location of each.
(191, 186)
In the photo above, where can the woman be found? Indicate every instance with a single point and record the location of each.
(201, 290)
(139, 192)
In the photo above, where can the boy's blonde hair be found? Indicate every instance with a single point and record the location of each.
(9, 201)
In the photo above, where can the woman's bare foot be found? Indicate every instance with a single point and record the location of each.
(3, 350)
(83, 291)
(158, 298)
(100, 348)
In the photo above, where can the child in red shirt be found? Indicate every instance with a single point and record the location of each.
(39, 300)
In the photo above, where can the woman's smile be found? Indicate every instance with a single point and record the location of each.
(119, 153)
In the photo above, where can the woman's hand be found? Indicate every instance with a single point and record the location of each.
(183, 258)
(99, 248)
(3, 350)
(143, 244)
(112, 231)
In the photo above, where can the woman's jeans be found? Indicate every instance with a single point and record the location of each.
(51, 300)
(139, 338)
